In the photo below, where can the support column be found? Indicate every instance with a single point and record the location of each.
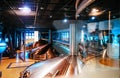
(36, 36)
(24, 46)
(15, 39)
(0, 58)
(72, 39)
(50, 36)
(39, 35)
(21, 38)
(23, 43)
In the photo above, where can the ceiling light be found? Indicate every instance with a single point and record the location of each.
(25, 10)
(114, 16)
(65, 20)
(50, 16)
(78, 15)
(84, 26)
(92, 18)
(41, 8)
(96, 12)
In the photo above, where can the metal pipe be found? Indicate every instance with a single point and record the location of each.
(109, 28)
(82, 6)
(109, 24)
(76, 4)
(36, 13)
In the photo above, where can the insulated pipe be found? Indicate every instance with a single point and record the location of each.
(82, 6)
(76, 4)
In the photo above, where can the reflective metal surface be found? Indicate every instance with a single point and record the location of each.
(72, 67)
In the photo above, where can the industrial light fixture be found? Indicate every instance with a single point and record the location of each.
(78, 15)
(41, 8)
(65, 20)
(83, 26)
(25, 9)
(96, 12)
(50, 16)
(92, 18)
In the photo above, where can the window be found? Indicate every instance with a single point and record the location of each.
(29, 35)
